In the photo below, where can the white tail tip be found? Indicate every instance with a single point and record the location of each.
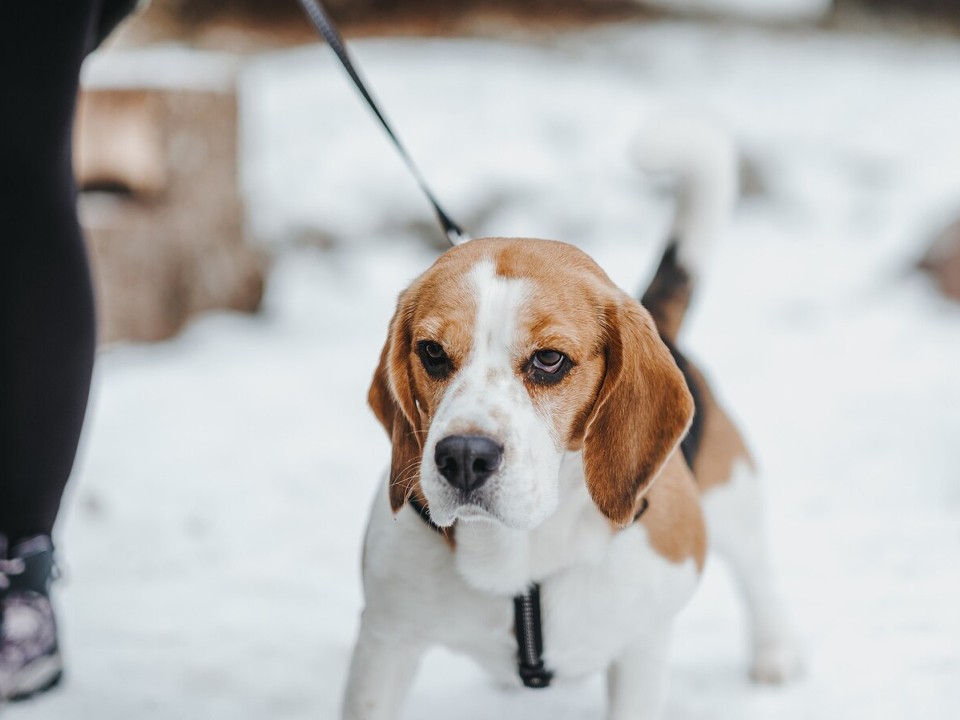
(703, 158)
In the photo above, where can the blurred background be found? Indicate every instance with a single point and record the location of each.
(251, 227)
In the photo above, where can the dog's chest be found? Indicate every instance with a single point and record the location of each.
(590, 612)
(599, 592)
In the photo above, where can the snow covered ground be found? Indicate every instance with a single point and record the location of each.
(212, 534)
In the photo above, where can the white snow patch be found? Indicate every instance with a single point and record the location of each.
(166, 66)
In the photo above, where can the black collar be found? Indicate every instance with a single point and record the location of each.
(528, 626)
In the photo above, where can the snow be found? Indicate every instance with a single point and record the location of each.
(212, 534)
(163, 67)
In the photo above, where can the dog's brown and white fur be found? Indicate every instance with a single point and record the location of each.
(585, 443)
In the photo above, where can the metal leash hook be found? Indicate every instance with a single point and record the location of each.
(328, 30)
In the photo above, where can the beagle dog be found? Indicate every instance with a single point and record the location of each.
(548, 434)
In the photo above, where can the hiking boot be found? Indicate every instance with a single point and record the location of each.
(30, 659)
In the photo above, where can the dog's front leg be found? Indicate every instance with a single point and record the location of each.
(381, 673)
(636, 681)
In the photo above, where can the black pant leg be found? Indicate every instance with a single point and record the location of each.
(47, 325)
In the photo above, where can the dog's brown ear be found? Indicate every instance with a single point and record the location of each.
(391, 397)
(641, 413)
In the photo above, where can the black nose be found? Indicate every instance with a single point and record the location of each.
(467, 461)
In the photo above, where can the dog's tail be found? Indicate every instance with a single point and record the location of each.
(703, 160)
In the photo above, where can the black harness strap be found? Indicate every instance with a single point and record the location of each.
(529, 630)
(327, 28)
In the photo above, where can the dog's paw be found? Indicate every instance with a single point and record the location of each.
(776, 662)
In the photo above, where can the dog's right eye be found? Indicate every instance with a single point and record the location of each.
(434, 359)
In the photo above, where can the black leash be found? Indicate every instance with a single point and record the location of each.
(327, 28)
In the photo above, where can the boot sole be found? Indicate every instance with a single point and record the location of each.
(38, 677)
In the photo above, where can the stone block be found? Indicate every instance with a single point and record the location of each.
(156, 155)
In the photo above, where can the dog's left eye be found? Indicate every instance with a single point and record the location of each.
(434, 359)
(548, 366)
(547, 360)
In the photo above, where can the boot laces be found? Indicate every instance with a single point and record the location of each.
(8, 568)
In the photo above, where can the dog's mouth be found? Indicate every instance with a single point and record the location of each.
(471, 512)
(476, 511)
(456, 507)
(467, 509)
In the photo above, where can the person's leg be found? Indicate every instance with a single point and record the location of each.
(46, 313)
(46, 321)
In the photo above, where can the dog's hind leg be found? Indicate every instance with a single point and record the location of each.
(735, 524)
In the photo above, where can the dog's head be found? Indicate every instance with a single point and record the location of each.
(503, 356)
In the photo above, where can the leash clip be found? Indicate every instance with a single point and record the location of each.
(457, 236)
